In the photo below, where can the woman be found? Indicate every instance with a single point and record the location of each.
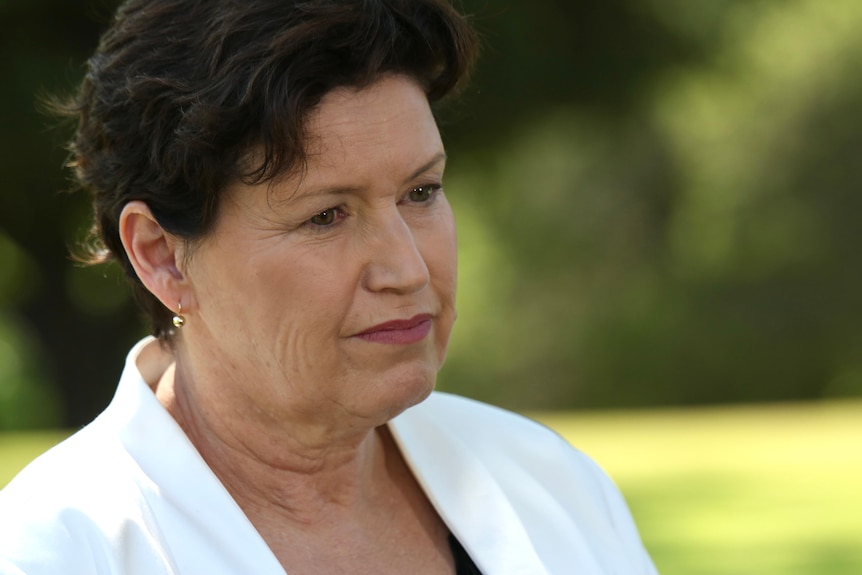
(269, 173)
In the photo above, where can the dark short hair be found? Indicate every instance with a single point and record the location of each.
(179, 91)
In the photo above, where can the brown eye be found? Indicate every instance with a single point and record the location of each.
(422, 193)
(324, 218)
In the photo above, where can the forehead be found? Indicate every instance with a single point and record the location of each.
(390, 116)
(361, 138)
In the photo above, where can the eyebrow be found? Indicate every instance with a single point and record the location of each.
(427, 166)
(345, 190)
(342, 190)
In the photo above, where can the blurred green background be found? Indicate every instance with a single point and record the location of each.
(658, 205)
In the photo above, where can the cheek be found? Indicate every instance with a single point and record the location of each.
(275, 295)
(448, 271)
(310, 294)
(442, 261)
(447, 245)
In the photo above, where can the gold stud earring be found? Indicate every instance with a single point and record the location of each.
(178, 319)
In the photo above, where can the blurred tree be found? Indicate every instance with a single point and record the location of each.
(656, 198)
(42, 46)
(698, 246)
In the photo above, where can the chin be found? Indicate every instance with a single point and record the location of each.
(407, 388)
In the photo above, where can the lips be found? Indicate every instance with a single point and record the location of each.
(399, 331)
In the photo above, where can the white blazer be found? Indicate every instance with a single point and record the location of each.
(129, 494)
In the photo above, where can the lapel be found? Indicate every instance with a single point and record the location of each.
(468, 498)
(499, 507)
(199, 523)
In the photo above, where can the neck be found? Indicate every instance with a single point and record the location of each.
(301, 471)
(308, 487)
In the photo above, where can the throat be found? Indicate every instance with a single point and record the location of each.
(357, 495)
(393, 530)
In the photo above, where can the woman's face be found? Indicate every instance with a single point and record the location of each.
(333, 291)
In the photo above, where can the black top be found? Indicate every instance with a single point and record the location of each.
(463, 564)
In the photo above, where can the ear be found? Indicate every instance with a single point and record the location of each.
(155, 255)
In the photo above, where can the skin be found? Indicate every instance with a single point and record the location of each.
(269, 376)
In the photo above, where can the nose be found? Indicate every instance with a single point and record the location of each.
(395, 262)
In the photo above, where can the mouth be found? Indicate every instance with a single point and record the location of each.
(399, 331)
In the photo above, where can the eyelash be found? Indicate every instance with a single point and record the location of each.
(432, 190)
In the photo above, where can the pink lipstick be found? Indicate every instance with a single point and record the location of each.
(400, 331)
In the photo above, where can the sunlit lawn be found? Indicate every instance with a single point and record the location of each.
(757, 490)
(752, 490)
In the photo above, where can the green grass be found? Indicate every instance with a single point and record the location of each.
(764, 490)
(743, 490)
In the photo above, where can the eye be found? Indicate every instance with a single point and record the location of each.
(325, 218)
(422, 194)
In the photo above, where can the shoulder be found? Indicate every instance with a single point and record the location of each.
(70, 508)
(533, 465)
(510, 444)
(71, 472)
